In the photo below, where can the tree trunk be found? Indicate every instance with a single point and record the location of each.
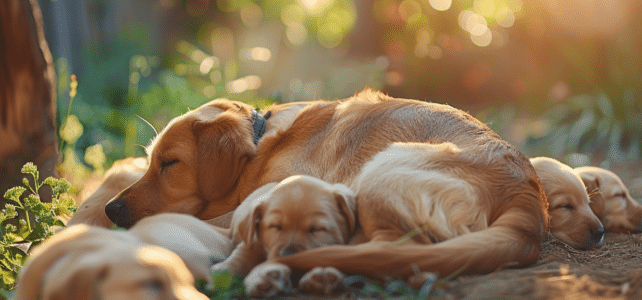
(27, 94)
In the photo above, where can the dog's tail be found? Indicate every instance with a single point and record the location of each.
(513, 240)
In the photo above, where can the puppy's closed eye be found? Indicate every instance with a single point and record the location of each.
(565, 206)
(276, 227)
(314, 230)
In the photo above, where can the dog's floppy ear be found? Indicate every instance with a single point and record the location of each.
(592, 184)
(346, 200)
(224, 146)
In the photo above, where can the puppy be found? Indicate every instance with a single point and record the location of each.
(572, 220)
(439, 207)
(297, 214)
(83, 262)
(199, 244)
(611, 200)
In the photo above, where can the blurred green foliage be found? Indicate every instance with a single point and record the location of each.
(26, 221)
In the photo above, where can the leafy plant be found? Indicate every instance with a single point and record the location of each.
(26, 221)
(600, 125)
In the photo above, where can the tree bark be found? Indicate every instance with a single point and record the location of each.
(27, 94)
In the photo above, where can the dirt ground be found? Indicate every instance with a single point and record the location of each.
(612, 271)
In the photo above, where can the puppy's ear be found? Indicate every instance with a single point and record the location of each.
(346, 200)
(224, 146)
(246, 217)
(592, 183)
(248, 227)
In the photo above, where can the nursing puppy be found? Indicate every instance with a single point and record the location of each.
(297, 214)
(84, 262)
(611, 200)
(572, 220)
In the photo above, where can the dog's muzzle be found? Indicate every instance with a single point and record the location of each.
(117, 212)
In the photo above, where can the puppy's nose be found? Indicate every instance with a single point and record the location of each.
(117, 212)
(292, 249)
(598, 235)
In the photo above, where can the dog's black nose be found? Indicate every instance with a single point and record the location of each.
(117, 212)
(290, 250)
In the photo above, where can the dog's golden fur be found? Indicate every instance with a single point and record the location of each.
(572, 220)
(205, 163)
(85, 262)
(440, 208)
(611, 200)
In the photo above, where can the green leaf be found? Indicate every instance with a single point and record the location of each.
(29, 168)
(15, 193)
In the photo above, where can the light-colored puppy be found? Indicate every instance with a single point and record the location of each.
(84, 262)
(572, 220)
(611, 200)
(297, 214)
(199, 244)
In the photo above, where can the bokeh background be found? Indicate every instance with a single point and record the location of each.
(560, 78)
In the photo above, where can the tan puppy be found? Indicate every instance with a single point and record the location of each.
(206, 162)
(83, 262)
(297, 214)
(439, 208)
(572, 220)
(611, 200)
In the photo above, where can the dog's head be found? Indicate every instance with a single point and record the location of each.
(297, 214)
(611, 200)
(83, 262)
(572, 220)
(194, 165)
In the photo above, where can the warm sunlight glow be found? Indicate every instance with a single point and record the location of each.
(505, 17)
(440, 5)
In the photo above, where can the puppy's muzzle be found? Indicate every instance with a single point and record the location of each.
(118, 213)
(596, 239)
(292, 249)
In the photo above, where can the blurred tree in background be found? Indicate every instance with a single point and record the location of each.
(554, 77)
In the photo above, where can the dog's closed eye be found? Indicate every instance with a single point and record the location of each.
(168, 163)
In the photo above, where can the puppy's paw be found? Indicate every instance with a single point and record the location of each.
(420, 279)
(267, 280)
(321, 281)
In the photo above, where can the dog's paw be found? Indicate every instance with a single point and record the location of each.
(267, 280)
(321, 281)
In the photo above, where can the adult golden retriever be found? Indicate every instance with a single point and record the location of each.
(611, 200)
(85, 262)
(297, 214)
(572, 220)
(206, 162)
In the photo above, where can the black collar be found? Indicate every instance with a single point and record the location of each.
(259, 123)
